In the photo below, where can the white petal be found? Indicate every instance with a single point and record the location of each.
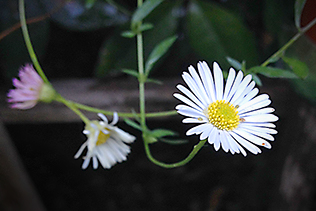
(248, 97)
(81, 150)
(260, 111)
(252, 138)
(195, 120)
(218, 78)
(207, 130)
(257, 132)
(187, 101)
(213, 137)
(232, 142)
(241, 88)
(209, 81)
(115, 118)
(235, 85)
(254, 101)
(223, 140)
(188, 111)
(190, 95)
(205, 82)
(249, 146)
(243, 95)
(234, 146)
(85, 163)
(229, 83)
(124, 136)
(199, 84)
(194, 88)
(95, 162)
(103, 117)
(260, 124)
(254, 127)
(261, 118)
(197, 129)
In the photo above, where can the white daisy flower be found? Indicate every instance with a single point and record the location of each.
(105, 143)
(233, 117)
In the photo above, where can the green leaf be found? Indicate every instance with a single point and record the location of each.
(133, 124)
(112, 59)
(158, 133)
(89, 3)
(118, 52)
(143, 27)
(144, 10)
(298, 8)
(272, 72)
(215, 33)
(274, 59)
(158, 52)
(128, 34)
(234, 63)
(146, 26)
(298, 67)
(155, 81)
(174, 141)
(131, 72)
(149, 138)
(256, 79)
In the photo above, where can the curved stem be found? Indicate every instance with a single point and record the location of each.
(28, 42)
(122, 114)
(73, 107)
(289, 43)
(195, 150)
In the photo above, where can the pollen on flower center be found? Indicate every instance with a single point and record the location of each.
(223, 115)
(102, 138)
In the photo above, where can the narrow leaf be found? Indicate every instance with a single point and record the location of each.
(89, 3)
(256, 79)
(234, 63)
(158, 133)
(133, 124)
(146, 26)
(131, 72)
(144, 10)
(128, 34)
(272, 72)
(155, 81)
(298, 8)
(298, 67)
(158, 52)
(174, 142)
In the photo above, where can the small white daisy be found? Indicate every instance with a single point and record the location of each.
(232, 117)
(105, 143)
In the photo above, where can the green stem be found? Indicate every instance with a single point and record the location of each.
(73, 107)
(122, 114)
(28, 42)
(289, 43)
(140, 56)
(195, 150)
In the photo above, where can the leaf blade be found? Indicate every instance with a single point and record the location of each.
(158, 52)
(272, 72)
(144, 10)
(298, 67)
(298, 8)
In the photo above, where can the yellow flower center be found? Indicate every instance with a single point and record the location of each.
(223, 115)
(102, 138)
